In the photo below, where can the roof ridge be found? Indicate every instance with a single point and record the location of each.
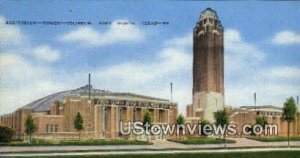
(44, 103)
(140, 95)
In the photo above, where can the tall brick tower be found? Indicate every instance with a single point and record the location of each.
(208, 66)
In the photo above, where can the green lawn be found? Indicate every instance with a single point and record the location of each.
(42, 142)
(275, 139)
(267, 154)
(202, 141)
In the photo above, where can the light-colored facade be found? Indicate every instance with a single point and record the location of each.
(102, 113)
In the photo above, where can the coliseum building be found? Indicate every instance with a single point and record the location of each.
(102, 112)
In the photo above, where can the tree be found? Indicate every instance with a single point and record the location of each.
(78, 123)
(203, 123)
(147, 121)
(260, 120)
(222, 119)
(180, 121)
(289, 113)
(6, 134)
(30, 127)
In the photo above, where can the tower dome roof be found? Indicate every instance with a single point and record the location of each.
(208, 12)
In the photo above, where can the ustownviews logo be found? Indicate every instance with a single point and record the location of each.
(139, 128)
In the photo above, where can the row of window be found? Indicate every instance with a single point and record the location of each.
(206, 20)
(269, 113)
(51, 128)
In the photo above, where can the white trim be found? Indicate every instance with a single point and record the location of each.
(216, 32)
(200, 33)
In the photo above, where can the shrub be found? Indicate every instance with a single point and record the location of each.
(6, 134)
(104, 142)
(206, 140)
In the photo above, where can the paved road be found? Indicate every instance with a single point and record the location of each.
(147, 152)
(157, 145)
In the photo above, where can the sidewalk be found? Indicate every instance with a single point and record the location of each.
(157, 145)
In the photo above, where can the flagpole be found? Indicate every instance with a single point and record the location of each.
(255, 102)
(89, 86)
(298, 103)
(171, 86)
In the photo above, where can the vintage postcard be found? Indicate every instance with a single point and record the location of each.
(149, 78)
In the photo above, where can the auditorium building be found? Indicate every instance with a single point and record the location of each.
(102, 112)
